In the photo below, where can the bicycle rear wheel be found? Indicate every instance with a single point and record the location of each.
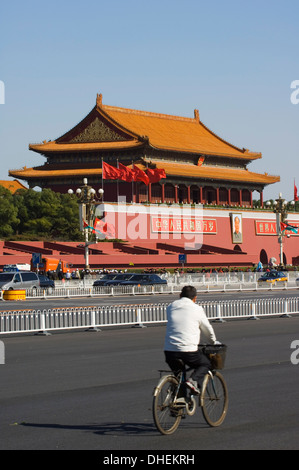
(214, 399)
(166, 415)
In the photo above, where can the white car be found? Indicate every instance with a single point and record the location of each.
(15, 280)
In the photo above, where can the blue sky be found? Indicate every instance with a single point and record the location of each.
(233, 60)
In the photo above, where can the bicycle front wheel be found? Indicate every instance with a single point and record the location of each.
(214, 399)
(166, 415)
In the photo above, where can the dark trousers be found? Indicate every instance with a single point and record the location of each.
(197, 360)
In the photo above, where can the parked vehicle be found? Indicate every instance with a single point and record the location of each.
(130, 279)
(273, 277)
(107, 277)
(16, 267)
(143, 280)
(19, 280)
(51, 264)
(46, 283)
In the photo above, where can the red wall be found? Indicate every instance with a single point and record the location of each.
(132, 225)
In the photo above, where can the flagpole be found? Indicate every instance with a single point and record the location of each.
(147, 186)
(132, 182)
(102, 180)
(117, 187)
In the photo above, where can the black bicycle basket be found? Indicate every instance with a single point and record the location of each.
(217, 354)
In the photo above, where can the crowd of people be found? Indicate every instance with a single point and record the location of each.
(80, 274)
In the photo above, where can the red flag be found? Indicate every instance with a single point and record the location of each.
(155, 175)
(110, 172)
(295, 193)
(140, 175)
(126, 174)
(104, 228)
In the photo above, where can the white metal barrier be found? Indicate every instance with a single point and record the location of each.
(95, 317)
(69, 291)
(204, 283)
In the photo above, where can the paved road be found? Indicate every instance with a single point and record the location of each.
(86, 390)
(40, 304)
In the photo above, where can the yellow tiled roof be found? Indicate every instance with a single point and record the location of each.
(12, 186)
(52, 146)
(161, 131)
(177, 133)
(217, 173)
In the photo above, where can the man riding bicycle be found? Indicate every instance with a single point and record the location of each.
(185, 322)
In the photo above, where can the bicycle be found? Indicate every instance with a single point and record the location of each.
(172, 400)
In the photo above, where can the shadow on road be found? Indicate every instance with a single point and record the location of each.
(115, 429)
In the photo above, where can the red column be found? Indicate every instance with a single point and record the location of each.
(133, 192)
(188, 194)
(176, 193)
(163, 192)
(200, 194)
(261, 199)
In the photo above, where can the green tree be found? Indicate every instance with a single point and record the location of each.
(66, 224)
(8, 213)
(46, 214)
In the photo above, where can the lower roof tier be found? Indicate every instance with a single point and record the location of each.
(173, 171)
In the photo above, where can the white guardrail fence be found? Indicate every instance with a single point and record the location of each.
(204, 283)
(93, 318)
(45, 320)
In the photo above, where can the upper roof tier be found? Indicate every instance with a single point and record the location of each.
(108, 127)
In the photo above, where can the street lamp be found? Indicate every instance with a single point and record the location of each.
(280, 208)
(87, 198)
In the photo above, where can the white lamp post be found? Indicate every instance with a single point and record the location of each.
(87, 198)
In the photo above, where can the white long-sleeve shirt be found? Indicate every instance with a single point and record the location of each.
(185, 322)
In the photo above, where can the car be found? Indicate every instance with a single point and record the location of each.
(131, 279)
(273, 277)
(18, 280)
(106, 278)
(46, 283)
(143, 280)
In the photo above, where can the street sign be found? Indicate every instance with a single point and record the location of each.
(36, 259)
(182, 258)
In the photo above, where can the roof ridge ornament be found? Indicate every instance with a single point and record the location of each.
(196, 115)
(99, 100)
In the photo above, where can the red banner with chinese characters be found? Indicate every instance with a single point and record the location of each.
(166, 224)
(268, 227)
(265, 227)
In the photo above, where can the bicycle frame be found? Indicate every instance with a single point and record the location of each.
(213, 400)
(190, 403)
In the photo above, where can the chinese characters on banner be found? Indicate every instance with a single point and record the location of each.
(268, 227)
(183, 225)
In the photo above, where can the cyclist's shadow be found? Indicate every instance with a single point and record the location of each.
(110, 428)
